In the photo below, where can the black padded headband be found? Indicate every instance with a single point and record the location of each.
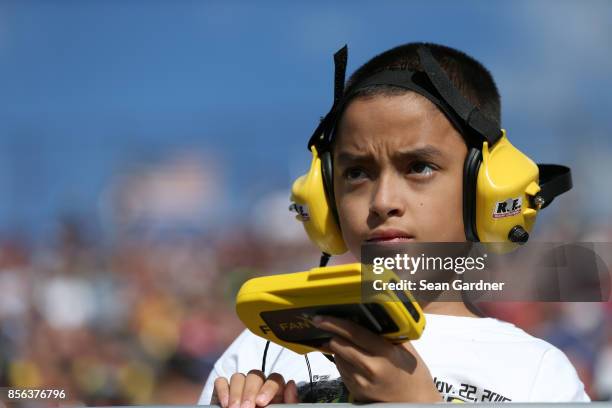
(431, 82)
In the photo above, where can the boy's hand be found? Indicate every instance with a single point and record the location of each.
(253, 390)
(373, 369)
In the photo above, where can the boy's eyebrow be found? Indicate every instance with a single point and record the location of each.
(428, 152)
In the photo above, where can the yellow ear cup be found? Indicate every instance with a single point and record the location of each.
(507, 180)
(310, 202)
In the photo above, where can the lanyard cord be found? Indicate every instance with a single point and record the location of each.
(263, 367)
(323, 262)
(263, 360)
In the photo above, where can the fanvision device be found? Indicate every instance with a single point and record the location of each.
(280, 308)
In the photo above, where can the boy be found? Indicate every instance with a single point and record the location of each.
(398, 167)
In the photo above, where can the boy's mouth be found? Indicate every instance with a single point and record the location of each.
(389, 235)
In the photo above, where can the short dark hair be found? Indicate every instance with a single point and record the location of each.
(468, 75)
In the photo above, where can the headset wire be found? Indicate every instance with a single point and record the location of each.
(309, 373)
(324, 259)
(323, 262)
(263, 360)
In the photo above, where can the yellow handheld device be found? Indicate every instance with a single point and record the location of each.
(280, 308)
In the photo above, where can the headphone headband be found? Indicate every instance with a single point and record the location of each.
(430, 82)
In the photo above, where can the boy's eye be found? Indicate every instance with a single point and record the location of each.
(355, 174)
(422, 168)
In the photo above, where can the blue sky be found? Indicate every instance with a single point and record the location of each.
(92, 89)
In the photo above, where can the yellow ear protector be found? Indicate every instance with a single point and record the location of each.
(503, 189)
(310, 202)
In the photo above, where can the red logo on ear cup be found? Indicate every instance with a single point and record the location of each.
(508, 208)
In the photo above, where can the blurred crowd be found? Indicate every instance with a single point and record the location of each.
(142, 320)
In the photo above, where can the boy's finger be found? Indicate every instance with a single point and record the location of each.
(290, 394)
(278, 399)
(235, 390)
(351, 331)
(351, 375)
(346, 368)
(352, 353)
(271, 388)
(407, 345)
(221, 392)
(252, 384)
(325, 348)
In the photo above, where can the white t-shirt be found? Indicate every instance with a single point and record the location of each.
(470, 359)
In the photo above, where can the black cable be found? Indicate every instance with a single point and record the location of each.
(263, 360)
(323, 262)
(309, 374)
(324, 259)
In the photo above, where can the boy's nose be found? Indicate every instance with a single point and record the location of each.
(386, 198)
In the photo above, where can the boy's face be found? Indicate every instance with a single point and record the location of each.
(398, 172)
